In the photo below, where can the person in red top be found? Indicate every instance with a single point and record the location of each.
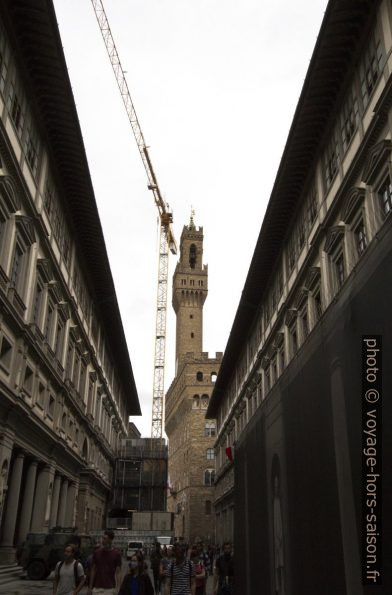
(106, 568)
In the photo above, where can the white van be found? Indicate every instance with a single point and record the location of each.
(133, 548)
(164, 540)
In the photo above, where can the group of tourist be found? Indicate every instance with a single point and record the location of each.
(177, 570)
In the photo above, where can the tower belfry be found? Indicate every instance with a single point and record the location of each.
(190, 287)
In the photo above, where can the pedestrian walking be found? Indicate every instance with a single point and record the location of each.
(106, 568)
(69, 574)
(166, 560)
(155, 559)
(224, 572)
(89, 563)
(205, 558)
(180, 579)
(200, 571)
(137, 581)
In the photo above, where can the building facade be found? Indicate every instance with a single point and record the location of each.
(191, 436)
(66, 381)
(288, 395)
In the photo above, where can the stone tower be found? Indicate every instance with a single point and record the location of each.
(189, 292)
(191, 436)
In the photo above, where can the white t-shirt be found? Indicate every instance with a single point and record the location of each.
(66, 585)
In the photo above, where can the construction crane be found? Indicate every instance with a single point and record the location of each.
(166, 237)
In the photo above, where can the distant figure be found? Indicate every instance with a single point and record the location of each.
(155, 559)
(224, 572)
(278, 541)
(137, 582)
(200, 571)
(68, 575)
(106, 568)
(165, 561)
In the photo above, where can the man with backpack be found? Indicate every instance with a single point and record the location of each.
(224, 572)
(69, 575)
(180, 574)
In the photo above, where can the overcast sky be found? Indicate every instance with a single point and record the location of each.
(215, 84)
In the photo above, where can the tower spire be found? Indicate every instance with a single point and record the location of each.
(191, 221)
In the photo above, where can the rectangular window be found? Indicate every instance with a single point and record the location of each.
(292, 251)
(281, 358)
(16, 112)
(58, 346)
(360, 237)
(301, 232)
(49, 321)
(37, 303)
(385, 194)
(16, 267)
(316, 293)
(90, 396)
(75, 377)
(32, 149)
(41, 395)
(70, 354)
(5, 354)
(3, 72)
(331, 160)
(370, 68)
(28, 380)
(66, 248)
(82, 378)
(2, 229)
(48, 198)
(339, 269)
(267, 377)
(274, 368)
(349, 119)
(312, 207)
(51, 406)
(294, 338)
(304, 321)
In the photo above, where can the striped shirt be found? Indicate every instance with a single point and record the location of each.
(180, 577)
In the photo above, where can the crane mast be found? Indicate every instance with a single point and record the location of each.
(166, 237)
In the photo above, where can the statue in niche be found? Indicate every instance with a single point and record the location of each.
(278, 540)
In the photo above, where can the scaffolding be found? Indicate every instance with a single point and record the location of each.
(140, 477)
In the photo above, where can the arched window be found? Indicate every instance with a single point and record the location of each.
(210, 454)
(208, 507)
(192, 256)
(204, 401)
(199, 376)
(213, 377)
(209, 428)
(209, 477)
(196, 402)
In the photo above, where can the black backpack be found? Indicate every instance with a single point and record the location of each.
(75, 569)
